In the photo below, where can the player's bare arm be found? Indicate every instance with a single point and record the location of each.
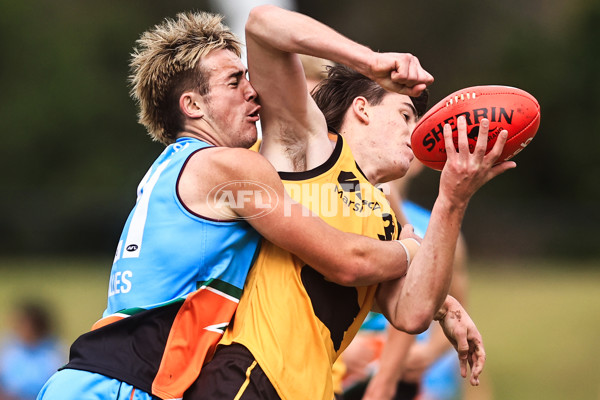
(294, 130)
(411, 303)
(423, 354)
(345, 258)
(297, 33)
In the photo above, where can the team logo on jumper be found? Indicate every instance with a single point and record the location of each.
(348, 182)
(242, 200)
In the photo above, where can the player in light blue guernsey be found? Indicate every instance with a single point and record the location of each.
(189, 242)
(155, 262)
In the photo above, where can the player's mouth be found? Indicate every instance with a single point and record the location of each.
(254, 117)
(412, 154)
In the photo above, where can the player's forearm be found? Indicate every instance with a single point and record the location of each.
(411, 304)
(428, 280)
(394, 354)
(292, 32)
(347, 259)
(363, 261)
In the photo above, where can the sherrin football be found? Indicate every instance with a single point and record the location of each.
(505, 107)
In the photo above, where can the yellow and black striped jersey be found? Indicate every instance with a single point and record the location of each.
(294, 321)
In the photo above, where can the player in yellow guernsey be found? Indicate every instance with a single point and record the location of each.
(292, 322)
(306, 305)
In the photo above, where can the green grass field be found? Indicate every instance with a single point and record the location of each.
(540, 320)
(541, 325)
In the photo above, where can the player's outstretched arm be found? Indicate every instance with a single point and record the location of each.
(293, 126)
(294, 130)
(244, 185)
(292, 32)
(425, 353)
(411, 303)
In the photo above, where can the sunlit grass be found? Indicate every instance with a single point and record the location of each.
(541, 324)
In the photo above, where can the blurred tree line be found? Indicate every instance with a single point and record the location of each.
(73, 152)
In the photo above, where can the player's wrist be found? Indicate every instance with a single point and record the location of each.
(363, 61)
(450, 199)
(452, 208)
(411, 246)
(443, 310)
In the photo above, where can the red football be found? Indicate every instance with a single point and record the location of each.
(505, 107)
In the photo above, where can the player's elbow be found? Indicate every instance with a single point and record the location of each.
(413, 322)
(346, 275)
(257, 18)
(359, 269)
(351, 271)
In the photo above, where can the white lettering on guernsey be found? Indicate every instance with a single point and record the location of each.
(133, 243)
(120, 282)
(126, 282)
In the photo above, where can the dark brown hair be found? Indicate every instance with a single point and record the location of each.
(335, 94)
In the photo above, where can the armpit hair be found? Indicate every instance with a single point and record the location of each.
(294, 149)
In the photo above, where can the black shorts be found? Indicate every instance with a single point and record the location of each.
(233, 373)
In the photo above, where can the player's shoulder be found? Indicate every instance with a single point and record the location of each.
(229, 163)
(221, 155)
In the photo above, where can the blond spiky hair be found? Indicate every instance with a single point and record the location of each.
(165, 63)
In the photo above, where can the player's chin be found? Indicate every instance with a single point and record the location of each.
(249, 137)
(399, 170)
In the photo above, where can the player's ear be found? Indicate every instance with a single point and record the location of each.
(192, 105)
(359, 109)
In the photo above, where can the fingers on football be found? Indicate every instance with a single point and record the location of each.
(463, 140)
(498, 146)
(482, 138)
(448, 142)
(493, 155)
